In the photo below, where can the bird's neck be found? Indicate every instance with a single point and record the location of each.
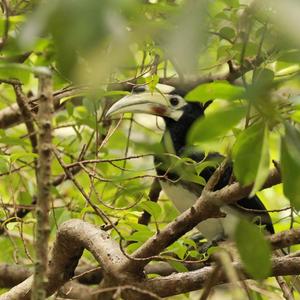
(175, 133)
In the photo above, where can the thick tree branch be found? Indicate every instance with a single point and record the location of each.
(189, 281)
(11, 275)
(285, 239)
(207, 206)
(75, 235)
(72, 238)
(44, 119)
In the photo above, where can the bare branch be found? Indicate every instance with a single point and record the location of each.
(43, 184)
(72, 238)
(11, 275)
(195, 280)
(284, 239)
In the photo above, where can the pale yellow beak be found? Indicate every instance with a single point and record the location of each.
(150, 103)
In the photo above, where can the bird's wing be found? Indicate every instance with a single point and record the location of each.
(250, 207)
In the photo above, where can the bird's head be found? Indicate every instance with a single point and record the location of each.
(164, 102)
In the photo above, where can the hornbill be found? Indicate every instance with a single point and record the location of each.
(179, 115)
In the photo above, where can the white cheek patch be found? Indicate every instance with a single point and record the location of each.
(176, 114)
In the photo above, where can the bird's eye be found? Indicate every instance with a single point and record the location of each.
(174, 101)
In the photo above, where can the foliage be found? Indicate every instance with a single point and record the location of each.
(96, 50)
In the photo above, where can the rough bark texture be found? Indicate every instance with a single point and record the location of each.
(72, 238)
(75, 235)
(194, 280)
(44, 119)
(207, 206)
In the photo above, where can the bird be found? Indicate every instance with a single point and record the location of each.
(179, 115)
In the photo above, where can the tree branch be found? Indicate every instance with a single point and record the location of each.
(207, 206)
(72, 238)
(44, 119)
(11, 116)
(75, 235)
(190, 281)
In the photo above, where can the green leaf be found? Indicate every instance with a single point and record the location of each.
(264, 164)
(178, 266)
(206, 164)
(25, 198)
(188, 176)
(178, 248)
(115, 93)
(139, 227)
(12, 225)
(232, 3)
(215, 124)
(12, 141)
(154, 79)
(251, 156)
(214, 90)
(132, 247)
(254, 250)
(152, 208)
(262, 77)
(140, 236)
(290, 164)
(16, 156)
(91, 105)
(227, 32)
(64, 99)
(4, 164)
(70, 108)
(291, 56)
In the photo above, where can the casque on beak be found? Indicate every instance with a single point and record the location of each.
(153, 103)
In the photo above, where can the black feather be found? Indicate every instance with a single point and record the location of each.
(252, 207)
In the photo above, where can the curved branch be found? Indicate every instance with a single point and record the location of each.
(11, 275)
(73, 237)
(207, 206)
(285, 239)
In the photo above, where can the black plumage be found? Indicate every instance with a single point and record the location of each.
(179, 178)
(251, 207)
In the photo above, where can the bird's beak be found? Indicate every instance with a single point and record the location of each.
(150, 103)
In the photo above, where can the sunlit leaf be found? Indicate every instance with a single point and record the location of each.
(251, 156)
(4, 164)
(227, 32)
(254, 250)
(179, 249)
(140, 236)
(215, 90)
(17, 155)
(152, 208)
(13, 141)
(264, 163)
(215, 124)
(178, 266)
(290, 164)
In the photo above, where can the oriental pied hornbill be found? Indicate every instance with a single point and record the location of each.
(179, 115)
